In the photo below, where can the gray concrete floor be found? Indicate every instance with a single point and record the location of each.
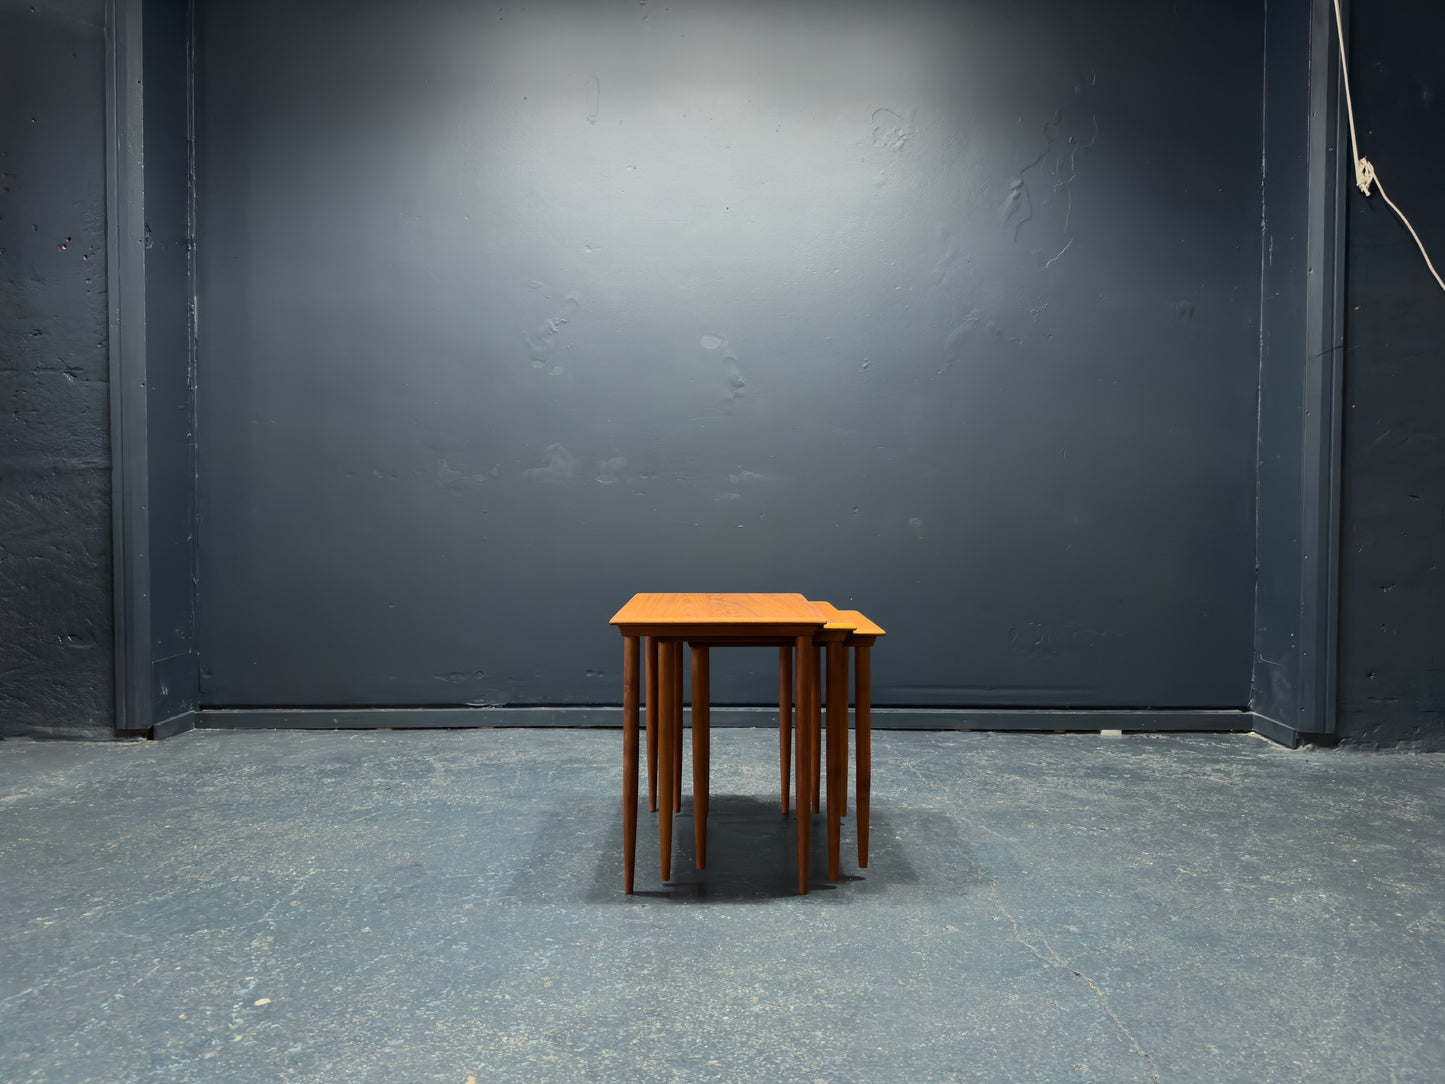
(447, 906)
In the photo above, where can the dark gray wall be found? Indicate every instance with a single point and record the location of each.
(1392, 632)
(56, 669)
(55, 654)
(1302, 277)
(149, 231)
(506, 313)
(173, 672)
(1284, 275)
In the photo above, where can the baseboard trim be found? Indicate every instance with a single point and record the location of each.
(1275, 731)
(176, 724)
(611, 716)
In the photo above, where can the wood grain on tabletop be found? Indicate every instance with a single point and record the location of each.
(717, 609)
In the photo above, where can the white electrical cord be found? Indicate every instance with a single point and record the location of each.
(1364, 171)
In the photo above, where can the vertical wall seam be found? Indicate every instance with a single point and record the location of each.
(193, 337)
(1320, 442)
(119, 595)
(1254, 663)
(125, 302)
(1335, 511)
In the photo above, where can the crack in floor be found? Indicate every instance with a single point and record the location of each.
(1056, 958)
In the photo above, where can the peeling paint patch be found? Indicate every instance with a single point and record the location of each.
(561, 467)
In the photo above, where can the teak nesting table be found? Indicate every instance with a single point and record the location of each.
(705, 620)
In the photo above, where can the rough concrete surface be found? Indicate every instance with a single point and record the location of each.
(56, 650)
(447, 906)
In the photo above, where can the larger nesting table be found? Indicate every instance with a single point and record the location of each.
(670, 620)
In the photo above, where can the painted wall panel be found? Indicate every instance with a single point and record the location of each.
(1284, 272)
(170, 384)
(507, 314)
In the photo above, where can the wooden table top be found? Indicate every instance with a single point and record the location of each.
(836, 618)
(717, 609)
(851, 620)
(860, 625)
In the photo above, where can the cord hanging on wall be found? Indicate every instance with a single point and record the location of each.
(1365, 175)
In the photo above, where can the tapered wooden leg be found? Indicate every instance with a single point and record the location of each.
(843, 735)
(629, 759)
(666, 734)
(785, 719)
(652, 724)
(863, 691)
(815, 722)
(700, 751)
(837, 720)
(802, 761)
(677, 723)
